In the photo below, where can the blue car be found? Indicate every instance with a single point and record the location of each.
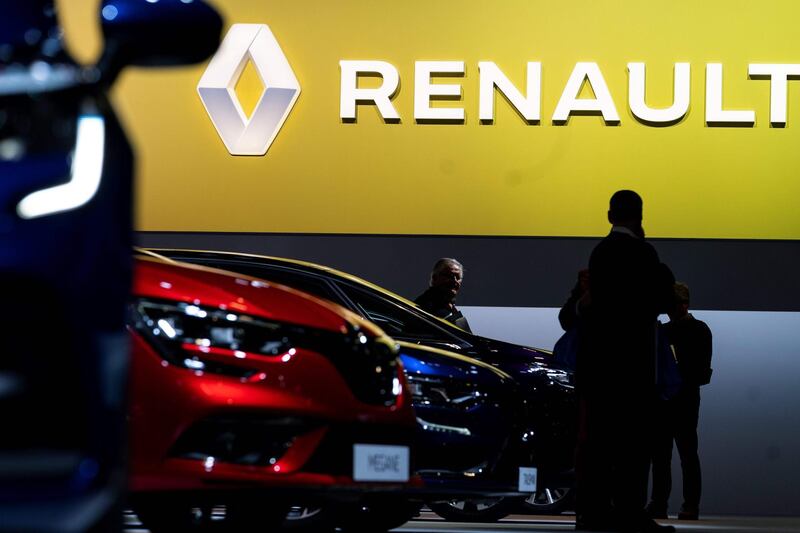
(469, 423)
(65, 232)
(546, 411)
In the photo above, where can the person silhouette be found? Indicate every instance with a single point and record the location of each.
(691, 341)
(616, 374)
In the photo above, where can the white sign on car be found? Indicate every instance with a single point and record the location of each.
(377, 462)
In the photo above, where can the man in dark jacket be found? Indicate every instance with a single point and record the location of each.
(691, 341)
(616, 374)
(440, 298)
(577, 303)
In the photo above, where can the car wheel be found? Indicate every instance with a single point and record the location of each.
(309, 518)
(486, 510)
(375, 517)
(549, 501)
(169, 515)
(246, 516)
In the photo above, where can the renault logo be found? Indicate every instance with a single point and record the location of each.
(241, 134)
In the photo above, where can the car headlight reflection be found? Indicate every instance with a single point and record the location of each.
(185, 335)
(561, 377)
(432, 391)
(555, 376)
(442, 428)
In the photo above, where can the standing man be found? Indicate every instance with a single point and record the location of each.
(691, 340)
(440, 298)
(616, 374)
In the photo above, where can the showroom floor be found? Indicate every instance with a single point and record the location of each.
(429, 523)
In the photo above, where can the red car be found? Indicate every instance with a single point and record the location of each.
(254, 396)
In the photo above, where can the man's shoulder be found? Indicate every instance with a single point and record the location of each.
(423, 298)
(688, 326)
(619, 238)
(609, 241)
(617, 242)
(699, 325)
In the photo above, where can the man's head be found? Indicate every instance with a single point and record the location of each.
(446, 275)
(625, 209)
(680, 301)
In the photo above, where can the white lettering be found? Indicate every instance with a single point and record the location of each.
(715, 115)
(528, 103)
(602, 102)
(424, 90)
(779, 76)
(381, 96)
(528, 106)
(681, 95)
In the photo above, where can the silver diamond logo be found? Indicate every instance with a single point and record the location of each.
(241, 134)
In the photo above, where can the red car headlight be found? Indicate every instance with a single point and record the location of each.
(183, 333)
(194, 337)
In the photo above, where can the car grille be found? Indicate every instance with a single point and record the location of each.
(369, 365)
(241, 439)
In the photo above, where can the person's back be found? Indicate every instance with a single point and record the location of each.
(616, 374)
(624, 273)
(692, 341)
(622, 268)
(692, 344)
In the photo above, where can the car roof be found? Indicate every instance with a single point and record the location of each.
(308, 266)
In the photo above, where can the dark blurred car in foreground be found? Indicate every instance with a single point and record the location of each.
(65, 232)
(254, 396)
(546, 387)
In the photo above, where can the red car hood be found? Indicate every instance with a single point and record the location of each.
(172, 280)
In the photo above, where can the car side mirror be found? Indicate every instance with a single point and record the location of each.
(156, 33)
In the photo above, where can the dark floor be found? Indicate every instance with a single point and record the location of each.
(430, 523)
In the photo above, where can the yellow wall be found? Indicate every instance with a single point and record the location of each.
(509, 178)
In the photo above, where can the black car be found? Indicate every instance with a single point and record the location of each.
(547, 387)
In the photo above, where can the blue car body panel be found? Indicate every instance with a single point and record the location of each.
(468, 443)
(63, 371)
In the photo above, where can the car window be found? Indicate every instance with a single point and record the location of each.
(291, 278)
(395, 319)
